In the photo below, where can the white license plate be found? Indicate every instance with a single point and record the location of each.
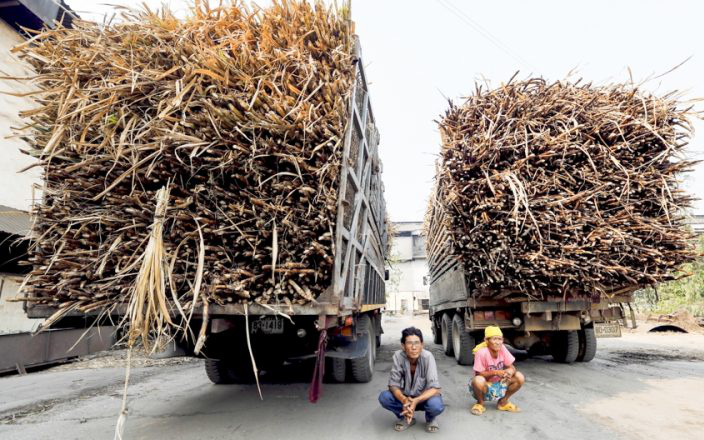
(607, 330)
(269, 325)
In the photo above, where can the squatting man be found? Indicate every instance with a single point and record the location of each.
(413, 384)
(495, 377)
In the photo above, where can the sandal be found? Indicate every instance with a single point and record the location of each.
(432, 426)
(402, 425)
(478, 409)
(510, 407)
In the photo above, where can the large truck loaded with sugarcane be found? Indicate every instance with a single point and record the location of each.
(553, 203)
(219, 188)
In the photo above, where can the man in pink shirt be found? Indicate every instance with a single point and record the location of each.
(495, 377)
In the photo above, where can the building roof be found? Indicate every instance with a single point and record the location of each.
(697, 223)
(13, 221)
(34, 14)
(408, 227)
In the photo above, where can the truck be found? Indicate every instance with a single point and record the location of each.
(347, 315)
(565, 327)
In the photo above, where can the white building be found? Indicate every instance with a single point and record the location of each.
(697, 223)
(406, 291)
(17, 190)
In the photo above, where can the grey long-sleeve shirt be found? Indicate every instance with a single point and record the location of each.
(426, 374)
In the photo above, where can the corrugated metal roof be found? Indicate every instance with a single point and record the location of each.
(50, 11)
(34, 14)
(14, 221)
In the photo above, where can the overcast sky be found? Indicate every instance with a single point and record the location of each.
(418, 52)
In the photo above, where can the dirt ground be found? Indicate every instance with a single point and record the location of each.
(118, 359)
(640, 386)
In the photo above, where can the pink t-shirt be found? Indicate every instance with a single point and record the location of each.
(483, 361)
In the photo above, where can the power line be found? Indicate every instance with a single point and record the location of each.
(484, 33)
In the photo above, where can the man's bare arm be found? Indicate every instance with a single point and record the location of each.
(398, 394)
(488, 374)
(427, 394)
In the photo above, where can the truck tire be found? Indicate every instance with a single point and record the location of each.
(462, 342)
(363, 367)
(337, 370)
(587, 345)
(446, 331)
(564, 346)
(378, 330)
(437, 333)
(216, 371)
(222, 371)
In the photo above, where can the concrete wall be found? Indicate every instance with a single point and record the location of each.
(405, 302)
(402, 248)
(12, 316)
(413, 272)
(15, 189)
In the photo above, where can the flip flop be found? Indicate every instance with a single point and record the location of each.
(402, 425)
(478, 409)
(432, 427)
(510, 407)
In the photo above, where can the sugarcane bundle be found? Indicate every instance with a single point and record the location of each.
(561, 189)
(210, 146)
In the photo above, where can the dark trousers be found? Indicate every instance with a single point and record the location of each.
(432, 407)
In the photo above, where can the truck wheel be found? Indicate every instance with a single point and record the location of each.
(564, 346)
(363, 367)
(216, 371)
(337, 370)
(378, 330)
(222, 371)
(437, 333)
(587, 345)
(446, 330)
(462, 342)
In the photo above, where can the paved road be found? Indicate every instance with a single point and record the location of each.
(640, 386)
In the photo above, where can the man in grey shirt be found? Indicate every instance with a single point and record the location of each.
(413, 384)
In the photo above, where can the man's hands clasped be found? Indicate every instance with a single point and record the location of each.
(409, 408)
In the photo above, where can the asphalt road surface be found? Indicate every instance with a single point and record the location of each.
(641, 386)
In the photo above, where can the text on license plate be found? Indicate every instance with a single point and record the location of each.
(607, 330)
(270, 325)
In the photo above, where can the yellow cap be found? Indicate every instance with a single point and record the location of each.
(489, 332)
(492, 331)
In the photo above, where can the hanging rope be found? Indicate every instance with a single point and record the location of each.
(316, 385)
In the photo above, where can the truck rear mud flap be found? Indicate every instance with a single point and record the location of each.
(344, 348)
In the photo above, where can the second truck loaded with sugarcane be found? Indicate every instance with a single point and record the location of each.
(550, 209)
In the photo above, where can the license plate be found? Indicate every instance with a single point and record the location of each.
(269, 325)
(607, 330)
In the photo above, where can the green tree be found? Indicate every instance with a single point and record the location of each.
(684, 293)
